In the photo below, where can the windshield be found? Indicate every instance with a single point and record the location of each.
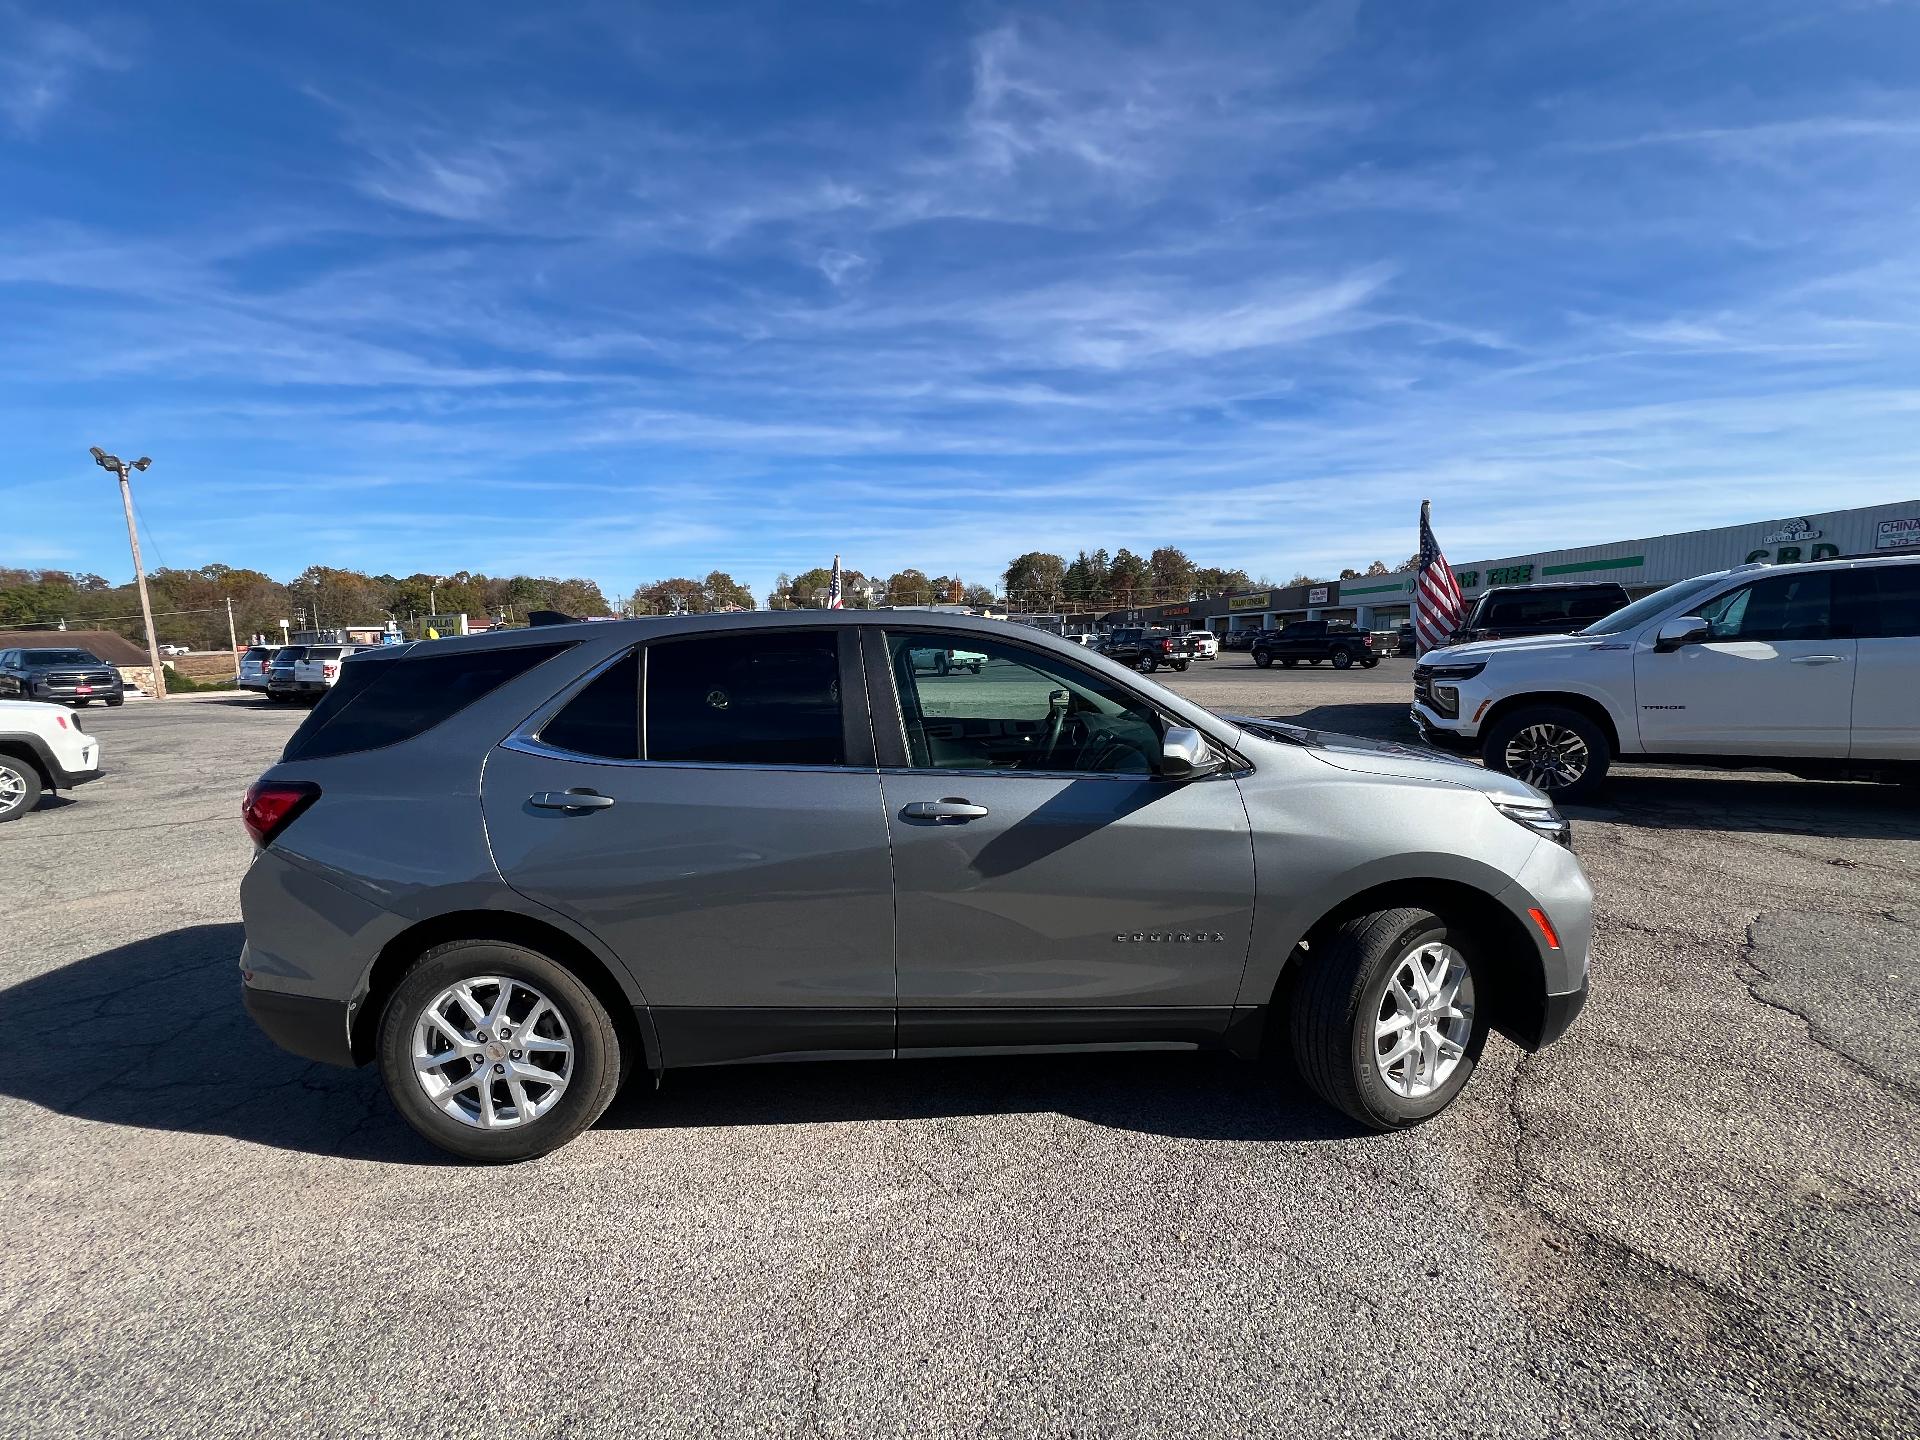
(60, 657)
(1647, 606)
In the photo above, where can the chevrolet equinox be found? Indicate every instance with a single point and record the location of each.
(508, 869)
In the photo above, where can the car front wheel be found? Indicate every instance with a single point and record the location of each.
(1385, 1022)
(496, 1053)
(1262, 659)
(1556, 750)
(19, 788)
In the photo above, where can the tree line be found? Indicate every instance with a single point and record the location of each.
(190, 605)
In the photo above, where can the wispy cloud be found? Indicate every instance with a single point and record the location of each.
(43, 61)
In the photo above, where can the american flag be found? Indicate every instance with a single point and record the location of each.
(1437, 604)
(834, 602)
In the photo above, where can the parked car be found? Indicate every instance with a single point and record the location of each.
(63, 675)
(944, 662)
(1239, 639)
(1405, 642)
(1810, 668)
(253, 667)
(808, 849)
(1082, 637)
(1146, 649)
(1313, 641)
(317, 671)
(42, 748)
(1509, 610)
(1206, 645)
(280, 672)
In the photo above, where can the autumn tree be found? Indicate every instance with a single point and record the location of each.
(1035, 580)
(1170, 573)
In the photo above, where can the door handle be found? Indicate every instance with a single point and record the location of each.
(951, 808)
(569, 800)
(1815, 659)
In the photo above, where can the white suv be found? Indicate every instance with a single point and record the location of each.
(1809, 668)
(42, 747)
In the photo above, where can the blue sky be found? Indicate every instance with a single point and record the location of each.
(641, 290)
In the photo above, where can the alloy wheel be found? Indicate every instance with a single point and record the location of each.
(493, 1052)
(1547, 756)
(13, 790)
(1425, 1020)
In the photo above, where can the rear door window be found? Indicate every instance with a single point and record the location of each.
(766, 698)
(603, 719)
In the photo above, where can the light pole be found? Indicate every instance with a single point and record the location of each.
(121, 467)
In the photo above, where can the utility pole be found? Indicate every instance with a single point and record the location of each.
(120, 468)
(233, 643)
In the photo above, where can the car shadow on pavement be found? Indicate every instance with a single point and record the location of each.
(1183, 1095)
(152, 1034)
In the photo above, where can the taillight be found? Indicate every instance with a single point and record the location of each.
(272, 805)
(1369, 640)
(1166, 647)
(330, 668)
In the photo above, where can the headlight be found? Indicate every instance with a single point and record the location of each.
(1464, 671)
(1543, 820)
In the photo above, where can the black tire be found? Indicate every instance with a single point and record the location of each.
(81, 704)
(1263, 659)
(1558, 722)
(20, 787)
(1313, 660)
(1343, 659)
(1289, 664)
(1180, 667)
(116, 702)
(596, 1060)
(1337, 1001)
(1369, 664)
(1148, 665)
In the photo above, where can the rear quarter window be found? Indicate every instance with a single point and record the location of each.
(380, 701)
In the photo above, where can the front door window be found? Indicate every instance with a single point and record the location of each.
(978, 704)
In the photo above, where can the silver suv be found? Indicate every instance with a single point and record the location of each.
(510, 868)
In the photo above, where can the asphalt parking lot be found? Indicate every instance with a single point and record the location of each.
(1700, 1213)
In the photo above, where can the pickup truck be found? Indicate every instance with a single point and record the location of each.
(1147, 650)
(318, 670)
(1314, 641)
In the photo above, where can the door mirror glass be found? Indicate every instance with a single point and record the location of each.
(1681, 630)
(1185, 754)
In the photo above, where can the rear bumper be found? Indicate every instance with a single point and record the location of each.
(67, 779)
(306, 1025)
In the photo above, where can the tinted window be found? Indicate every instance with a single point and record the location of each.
(604, 718)
(257, 652)
(382, 701)
(1648, 606)
(1020, 710)
(1791, 606)
(61, 657)
(751, 699)
(324, 652)
(1893, 604)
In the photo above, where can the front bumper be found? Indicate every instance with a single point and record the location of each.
(1558, 1014)
(58, 694)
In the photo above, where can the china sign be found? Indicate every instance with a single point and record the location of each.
(1901, 534)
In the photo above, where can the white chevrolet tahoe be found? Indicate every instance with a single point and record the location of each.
(1813, 669)
(42, 747)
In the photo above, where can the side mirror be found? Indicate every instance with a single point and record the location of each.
(1681, 630)
(1185, 755)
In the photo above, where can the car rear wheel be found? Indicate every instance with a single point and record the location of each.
(1562, 752)
(1384, 1022)
(116, 700)
(1263, 659)
(1343, 659)
(496, 1053)
(1148, 664)
(19, 787)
